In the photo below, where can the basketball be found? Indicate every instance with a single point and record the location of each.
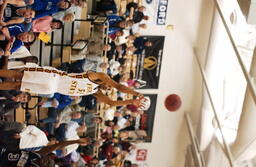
(172, 102)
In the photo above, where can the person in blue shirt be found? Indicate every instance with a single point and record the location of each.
(117, 23)
(20, 39)
(10, 44)
(16, 35)
(140, 44)
(58, 103)
(5, 46)
(49, 7)
(62, 100)
(113, 19)
(42, 4)
(16, 29)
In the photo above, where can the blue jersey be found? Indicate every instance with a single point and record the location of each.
(16, 45)
(43, 4)
(16, 29)
(139, 44)
(45, 8)
(113, 30)
(113, 19)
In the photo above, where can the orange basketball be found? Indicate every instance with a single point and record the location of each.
(172, 102)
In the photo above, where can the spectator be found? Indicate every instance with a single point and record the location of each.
(5, 50)
(92, 63)
(71, 133)
(63, 15)
(116, 23)
(34, 158)
(32, 137)
(19, 3)
(90, 121)
(20, 36)
(131, 6)
(11, 100)
(68, 17)
(135, 29)
(46, 24)
(138, 16)
(9, 132)
(26, 37)
(93, 48)
(117, 34)
(67, 115)
(7, 40)
(140, 44)
(49, 7)
(59, 101)
(15, 15)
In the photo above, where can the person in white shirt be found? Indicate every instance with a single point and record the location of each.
(114, 67)
(122, 122)
(90, 63)
(20, 53)
(123, 39)
(31, 136)
(72, 130)
(76, 5)
(136, 28)
(67, 114)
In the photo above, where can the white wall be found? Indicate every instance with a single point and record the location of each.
(179, 75)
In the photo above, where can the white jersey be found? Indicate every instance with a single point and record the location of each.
(49, 80)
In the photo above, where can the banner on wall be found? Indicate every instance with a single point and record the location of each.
(141, 155)
(149, 62)
(138, 156)
(156, 10)
(146, 121)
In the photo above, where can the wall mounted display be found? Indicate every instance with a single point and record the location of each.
(141, 155)
(149, 62)
(157, 11)
(145, 123)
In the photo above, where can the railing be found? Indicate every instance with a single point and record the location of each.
(195, 151)
(93, 20)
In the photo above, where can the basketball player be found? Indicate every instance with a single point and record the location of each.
(48, 80)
